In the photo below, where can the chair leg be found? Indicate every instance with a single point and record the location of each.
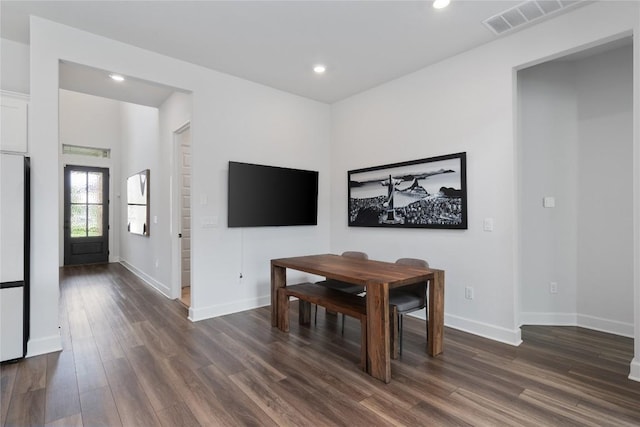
(343, 324)
(400, 320)
(315, 315)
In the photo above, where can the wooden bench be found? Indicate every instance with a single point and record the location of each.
(341, 302)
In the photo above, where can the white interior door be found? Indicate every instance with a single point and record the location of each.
(185, 207)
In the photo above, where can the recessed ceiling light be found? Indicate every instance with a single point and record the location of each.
(440, 4)
(116, 77)
(319, 69)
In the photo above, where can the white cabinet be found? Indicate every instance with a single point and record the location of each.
(14, 258)
(11, 323)
(14, 115)
(12, 217)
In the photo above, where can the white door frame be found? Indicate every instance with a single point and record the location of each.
(176, 215)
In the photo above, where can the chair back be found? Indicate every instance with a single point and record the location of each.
(355, 254)
(419, 289)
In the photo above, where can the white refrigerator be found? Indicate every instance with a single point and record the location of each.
(14, 255)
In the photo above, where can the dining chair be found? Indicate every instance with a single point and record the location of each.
(403, 300)
(337, 285)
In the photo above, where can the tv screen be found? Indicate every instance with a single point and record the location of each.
(262, 196)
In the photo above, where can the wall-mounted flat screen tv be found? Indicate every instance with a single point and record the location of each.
(263, 196)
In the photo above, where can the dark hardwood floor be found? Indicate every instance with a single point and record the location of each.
(132, 358)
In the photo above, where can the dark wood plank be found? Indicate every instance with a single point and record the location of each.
(99, 408)
(70, 421)
(31, 375)
(144, 363)
(8, 373)
(178, 415)
(26, 409)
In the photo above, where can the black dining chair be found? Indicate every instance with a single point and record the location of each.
(406, 299)
(337, 285)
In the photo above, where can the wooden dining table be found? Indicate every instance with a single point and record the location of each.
(377, 277)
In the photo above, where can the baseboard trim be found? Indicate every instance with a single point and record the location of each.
(38, 346)
(549, 319)
(606, 325)
(153, 283)
(580, 320)
(485, 330)
(634, 372)
(196, 314)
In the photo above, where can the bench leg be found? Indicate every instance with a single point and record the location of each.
(304, 312)
(363, 343)
(283, 310)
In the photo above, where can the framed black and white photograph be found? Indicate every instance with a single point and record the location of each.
(425, 193)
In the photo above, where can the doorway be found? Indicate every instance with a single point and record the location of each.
(86, 215)
(576, 190)
(183, 190)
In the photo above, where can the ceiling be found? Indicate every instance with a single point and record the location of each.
(276, 43)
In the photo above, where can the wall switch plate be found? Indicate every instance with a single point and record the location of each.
(487, 224)
(468, 292)
(553, 287)
(549, 202)
(209, 221)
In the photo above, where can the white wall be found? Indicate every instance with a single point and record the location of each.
(465, 103)
(576, 145)
(634, 373)
(141, 150)
(604, 86)
(175, 112)
(548, 167)
(92, 121)
(14, 68)
(232, 120)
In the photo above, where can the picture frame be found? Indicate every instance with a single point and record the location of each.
(138, 203)
(424, 193)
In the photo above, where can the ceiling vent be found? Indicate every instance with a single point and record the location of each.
(526, 12)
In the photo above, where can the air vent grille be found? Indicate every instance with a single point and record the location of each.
(524, 13)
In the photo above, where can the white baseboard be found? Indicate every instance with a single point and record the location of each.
(44, 345)
(634, 373)
(485, 330)
(549, 319)
(581, 320)
(153, 283)
(196, 314)
(606, 325)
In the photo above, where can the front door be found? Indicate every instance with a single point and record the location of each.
(86, 215)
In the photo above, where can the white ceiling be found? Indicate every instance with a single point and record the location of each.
(276, 43)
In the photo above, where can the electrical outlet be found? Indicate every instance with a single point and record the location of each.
(468, 292)
(553, 287)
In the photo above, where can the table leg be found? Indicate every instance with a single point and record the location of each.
(378, 349)
(435, 325)
(278, 280)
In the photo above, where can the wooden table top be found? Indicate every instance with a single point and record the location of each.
(356, 271)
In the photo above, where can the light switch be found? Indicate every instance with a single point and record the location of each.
(488, 224)
(155, 219)
(549, 202)
(209, 221)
